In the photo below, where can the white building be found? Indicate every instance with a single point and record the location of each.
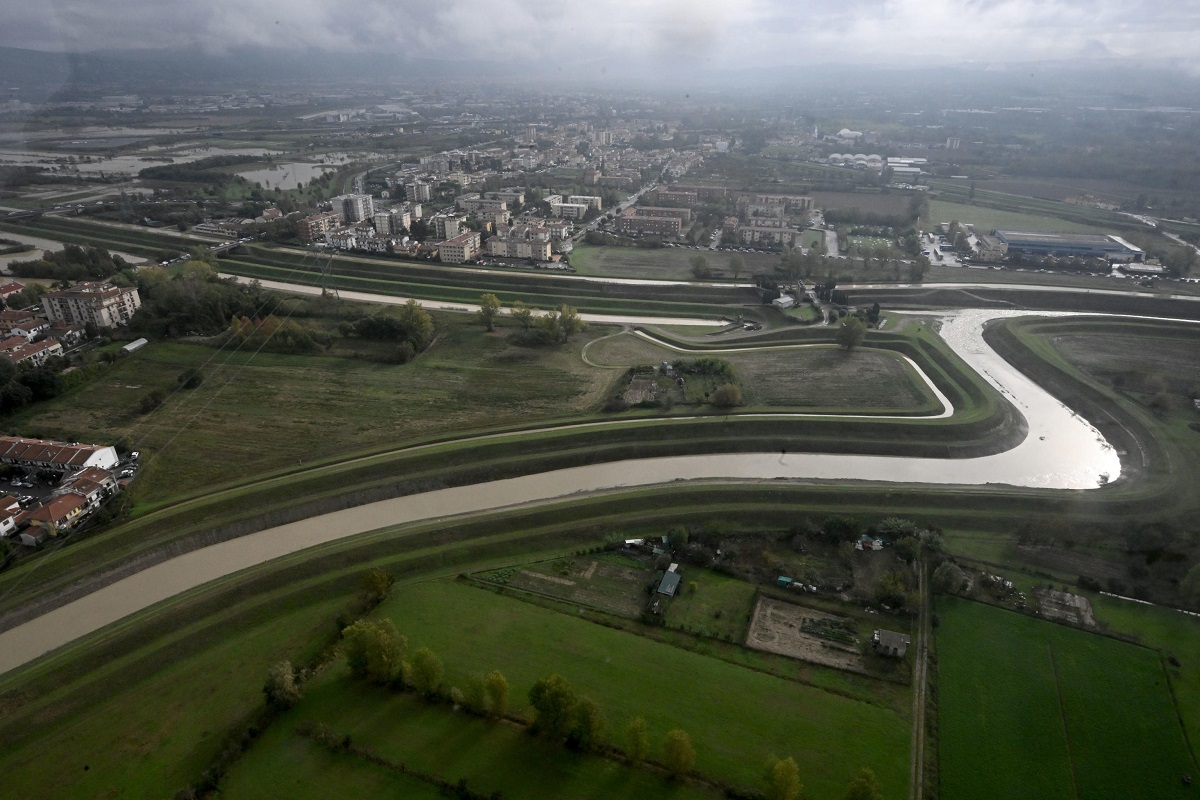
(101, 304)
(354, 207)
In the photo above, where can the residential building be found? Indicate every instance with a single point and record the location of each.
(569, 210)
(10, 509)
(314, 227)
(22, 323)
(101, 304)
(591, 201)
(447, 226)
(890, 643)
(631, 220)
(768, 235)
(10, 288)
(684, 215)
(460, 249)
(418, 192)
(58, 513)
(521, 241)
(354, 207)
(34, 353)
(55, 455)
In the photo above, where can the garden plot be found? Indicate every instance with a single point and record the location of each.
(806, 634)
(616, 585)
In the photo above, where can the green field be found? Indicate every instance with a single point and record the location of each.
(870, 244)
(1028, 708)
(432, 738)
(662, 263)
(986, 219)
(737, 717)
(232, 427)
(1176, 635)
(803, 378)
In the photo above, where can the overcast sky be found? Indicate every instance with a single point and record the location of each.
(715, 33)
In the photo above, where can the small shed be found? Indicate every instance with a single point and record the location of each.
(669, 585)
(783, 582)
(136, 344)
(890, 643)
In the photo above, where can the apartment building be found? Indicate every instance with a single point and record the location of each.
(314, 227)
(354, 207)
(460, 249)
(521, 241)
(101, 304)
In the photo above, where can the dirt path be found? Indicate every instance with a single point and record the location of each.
(916, 787)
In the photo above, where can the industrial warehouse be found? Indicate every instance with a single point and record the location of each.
(1061, 245)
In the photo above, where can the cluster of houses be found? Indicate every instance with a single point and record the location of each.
(89, 477)
(27, 336)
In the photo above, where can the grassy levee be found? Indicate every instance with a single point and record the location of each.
(75, 231)
(464, 285)
(967, 392)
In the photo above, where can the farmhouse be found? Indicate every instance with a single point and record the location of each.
(890, 643)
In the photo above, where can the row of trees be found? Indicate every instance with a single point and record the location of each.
(555, 326)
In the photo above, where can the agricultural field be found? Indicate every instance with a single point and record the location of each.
(817, 377)
(613, 583)
(986, 219)
(1029, 708)
(231, 427)
(829, 735)
(663, 263)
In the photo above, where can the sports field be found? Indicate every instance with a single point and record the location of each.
(986, 219)
(1029, 708)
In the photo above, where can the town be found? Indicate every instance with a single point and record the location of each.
(690, 427)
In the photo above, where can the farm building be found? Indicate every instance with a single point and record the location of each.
(890, 643)
(669, 585)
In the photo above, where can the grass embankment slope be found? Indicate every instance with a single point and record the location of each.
(1027, 708)
(986, 219)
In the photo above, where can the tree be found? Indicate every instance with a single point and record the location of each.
(417, 323)
(281, 688)
(700, 268)
(151, 400)
(495, 688)
(374, 650)
(587, 730)
(783, 781)
(570, 323)
(737, 265)
(376, 585)
(948, 578)
(427, 671)
(678, 754)
(1191, 586)
(851, 333)
(637, 745)
(489, 309)
(727, 396)
(554, 702)
(522, 314)
(865, 786)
